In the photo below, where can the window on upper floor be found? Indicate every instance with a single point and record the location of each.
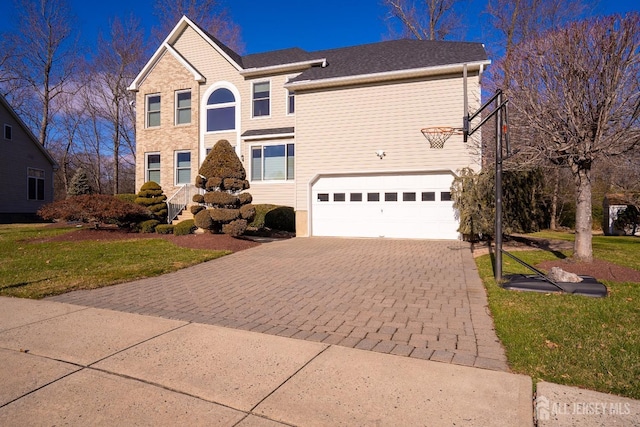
(221, 111)
(35, 184)
(153, 110)
(272, 162)
(183, 107)
(183, 167)
(261, 99)
(291, 102)
(152, 167)
(8, 132)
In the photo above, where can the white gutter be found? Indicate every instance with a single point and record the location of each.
(379, 77)
(284, 68)
(269, 136)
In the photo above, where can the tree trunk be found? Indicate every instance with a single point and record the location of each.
(554, 201)
(582, 250)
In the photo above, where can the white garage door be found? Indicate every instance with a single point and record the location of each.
(401, 206)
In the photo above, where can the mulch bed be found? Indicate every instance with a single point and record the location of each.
(599, 269)
(192, 241)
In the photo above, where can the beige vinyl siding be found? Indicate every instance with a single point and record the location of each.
(278, 117)
(167, 77)
(282, 193)
(339, 131)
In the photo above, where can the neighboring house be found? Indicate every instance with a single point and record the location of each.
(26, 169)
(335, 134)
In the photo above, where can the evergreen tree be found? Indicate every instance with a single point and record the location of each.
(224, 208)
(152, 197)
(79, 184)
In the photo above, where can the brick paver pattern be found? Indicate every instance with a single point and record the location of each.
(414, 298)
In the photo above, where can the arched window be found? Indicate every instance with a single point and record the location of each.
(221, 111)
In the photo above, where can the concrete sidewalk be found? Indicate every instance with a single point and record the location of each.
(72, 365)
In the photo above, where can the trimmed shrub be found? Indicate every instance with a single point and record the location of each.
(220, 199)
(223, 216)
(235, 228)
(152, 197)
(98, 208)
(148, 226)
(281, 218)
(235, 185)
(245, 198)
(222, 162)
(185, 227)
(164, 228)
(248, 212)
(127, 197)
(196, 208)
(203, 219)
(198, 198)
(261, 211)
(223, 177)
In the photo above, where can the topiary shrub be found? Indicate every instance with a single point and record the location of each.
(281, 218)
(152, 197)
(127, 197)
(196, 208)
(95, 208)
(185, 227)
(223, 177)
(198, 198)
(248, 212)
(164, 228)
(261, 211)
(235, 228)
(148, 226)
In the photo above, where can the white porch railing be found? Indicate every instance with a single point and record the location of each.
(180, 200)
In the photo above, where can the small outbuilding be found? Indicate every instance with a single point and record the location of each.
(613, 205)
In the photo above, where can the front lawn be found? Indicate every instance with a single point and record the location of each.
(31, 268)
(587, 342)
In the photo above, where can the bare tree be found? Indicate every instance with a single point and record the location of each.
(118, 59)
(423, 19)
(44, 60)
(208, 14)
(575, 96)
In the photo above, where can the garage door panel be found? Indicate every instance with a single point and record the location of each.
(408, 206)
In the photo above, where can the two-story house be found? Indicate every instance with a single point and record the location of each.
(26, 169)
(335, 134)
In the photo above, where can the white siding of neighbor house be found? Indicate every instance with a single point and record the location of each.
(339, 131)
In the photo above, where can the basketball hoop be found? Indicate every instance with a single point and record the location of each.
(438, 135)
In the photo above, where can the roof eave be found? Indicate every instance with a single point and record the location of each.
(269, 136)
(283, 68)
(387, 76)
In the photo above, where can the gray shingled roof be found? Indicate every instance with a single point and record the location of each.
(271, 131)
(393, 55)
(373, 58)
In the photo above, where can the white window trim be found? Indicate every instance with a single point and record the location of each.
(175, 167)
(146, 110)
(175, 103)
(146, 165)
(253, 83)
(207, 107)
(203, 117)
(286, 98)
(271, 181)
(4, 132)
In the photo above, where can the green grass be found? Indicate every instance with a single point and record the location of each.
(33, 269)
(592, 343)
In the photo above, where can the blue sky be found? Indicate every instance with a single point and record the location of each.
(311, 25)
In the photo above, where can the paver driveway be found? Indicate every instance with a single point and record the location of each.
(415, 298)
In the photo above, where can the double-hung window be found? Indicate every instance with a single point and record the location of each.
(221, 111)
(183, 167)
(152, 166)
(35, 183)
(291, 100)
(272, 162)
(153, 111)
(261, 99)
(183, 107)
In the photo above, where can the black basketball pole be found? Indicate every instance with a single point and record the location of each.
(500, 122)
